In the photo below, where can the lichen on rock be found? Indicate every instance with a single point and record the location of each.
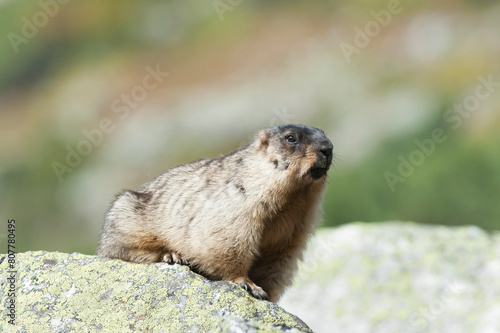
(58, 292)
(399, 277)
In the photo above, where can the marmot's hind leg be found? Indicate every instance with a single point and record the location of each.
(275, 275)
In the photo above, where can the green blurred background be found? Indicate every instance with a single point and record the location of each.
(375, 75)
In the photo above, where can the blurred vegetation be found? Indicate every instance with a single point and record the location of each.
(457, 185)
(65, 78)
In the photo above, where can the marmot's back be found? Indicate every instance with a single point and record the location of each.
(246, 215)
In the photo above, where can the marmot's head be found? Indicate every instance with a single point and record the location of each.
(301, 151)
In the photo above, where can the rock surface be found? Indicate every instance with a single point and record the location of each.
(382, 277)
(58, 292)
(399, 277)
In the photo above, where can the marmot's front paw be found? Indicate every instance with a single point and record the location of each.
(171, 258)
(252, 288)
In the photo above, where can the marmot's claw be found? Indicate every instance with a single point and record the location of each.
(171, 258)
(259, 294)
(167, 257)
(252, 288)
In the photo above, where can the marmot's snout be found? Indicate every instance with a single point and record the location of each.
(324, 160)
(326, 153)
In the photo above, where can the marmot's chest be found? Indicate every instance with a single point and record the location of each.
(282, 234)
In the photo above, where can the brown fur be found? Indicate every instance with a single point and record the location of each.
(243, 217)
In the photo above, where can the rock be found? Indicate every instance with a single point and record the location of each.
(58, 292)
(399, 277)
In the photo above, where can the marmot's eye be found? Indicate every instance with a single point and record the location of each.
(290, 138)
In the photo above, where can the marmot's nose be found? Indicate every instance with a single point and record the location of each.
(327, 150)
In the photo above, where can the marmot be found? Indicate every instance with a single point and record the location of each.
(244, 217)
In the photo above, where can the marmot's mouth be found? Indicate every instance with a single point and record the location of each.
(317, 173)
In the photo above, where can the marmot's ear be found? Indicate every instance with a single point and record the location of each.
(263, 139)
